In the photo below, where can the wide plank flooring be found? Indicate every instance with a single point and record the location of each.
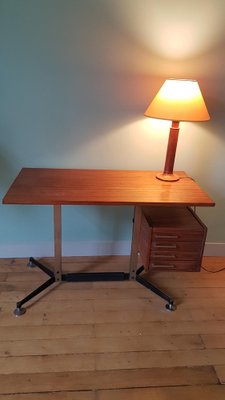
(112, 340)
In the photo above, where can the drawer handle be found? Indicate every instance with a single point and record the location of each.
(165, 246)
(171, 266)
(164, 256)
(166, 236)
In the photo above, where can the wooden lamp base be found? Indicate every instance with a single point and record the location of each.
(167, 177)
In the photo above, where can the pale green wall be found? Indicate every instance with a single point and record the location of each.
(76, 77)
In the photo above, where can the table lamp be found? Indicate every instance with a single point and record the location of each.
(177, 100)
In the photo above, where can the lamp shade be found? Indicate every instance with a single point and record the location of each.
(178, 100)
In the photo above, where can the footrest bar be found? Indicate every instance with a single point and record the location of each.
(95, 276)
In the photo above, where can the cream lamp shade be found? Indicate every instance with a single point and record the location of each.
(177, 100)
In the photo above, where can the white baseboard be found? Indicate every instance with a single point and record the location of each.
(86, 248)
(81, 248)
(214, 249)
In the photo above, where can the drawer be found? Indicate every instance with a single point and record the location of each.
(170, 234)
(171, 239)
(174, 246)
(174, 256)
(176, 250)
(174, 265)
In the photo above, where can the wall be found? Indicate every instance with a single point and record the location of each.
(76, 77)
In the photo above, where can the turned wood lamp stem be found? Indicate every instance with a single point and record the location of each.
(177, 100)
(167, 174)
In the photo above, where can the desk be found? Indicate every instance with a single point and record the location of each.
(57, 187)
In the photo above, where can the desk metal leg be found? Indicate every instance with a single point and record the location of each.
(58, 276)
(55, 276)
(135, 242)
(32, 262)
(19, 310)
(171, 306)
(58, 242)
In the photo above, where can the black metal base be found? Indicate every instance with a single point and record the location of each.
(32, 263)
(19, 311)
(95, 276)
(88, 277)
(70, 277)
(171, 306)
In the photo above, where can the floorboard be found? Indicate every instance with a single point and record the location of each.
(112, 340)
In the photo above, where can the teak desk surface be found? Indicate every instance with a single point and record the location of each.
(106, 187)
(59, 187)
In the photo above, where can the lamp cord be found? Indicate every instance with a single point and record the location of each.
(205, 269)
(187, 177)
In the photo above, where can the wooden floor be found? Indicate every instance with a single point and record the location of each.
(112, 340)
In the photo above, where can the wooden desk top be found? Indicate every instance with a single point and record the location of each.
(102, 187)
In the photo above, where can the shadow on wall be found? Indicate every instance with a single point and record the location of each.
(92, 67)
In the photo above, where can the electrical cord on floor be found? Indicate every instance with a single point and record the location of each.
(194, 208)
(213, 272)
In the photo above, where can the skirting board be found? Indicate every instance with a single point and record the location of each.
(214, 249)
(87, 248)
(81, 248)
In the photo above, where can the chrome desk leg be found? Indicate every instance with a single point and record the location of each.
(135, 242)
(55, 276)
(57, 243)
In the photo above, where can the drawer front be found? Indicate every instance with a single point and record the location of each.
(184, 235)
(173, 265)
(176, 250)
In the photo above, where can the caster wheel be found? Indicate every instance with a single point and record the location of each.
(171, 306)
(19, 311)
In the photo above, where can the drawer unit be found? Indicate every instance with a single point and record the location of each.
(171, 238)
